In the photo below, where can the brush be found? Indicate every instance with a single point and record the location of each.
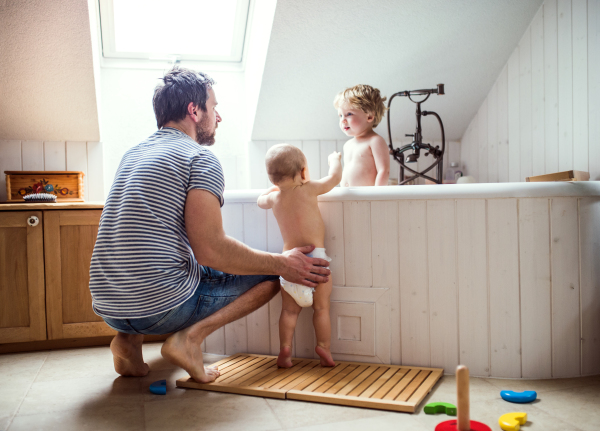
(40, 197)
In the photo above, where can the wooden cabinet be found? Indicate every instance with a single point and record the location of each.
(69, 238)
(22, 298)
(44, 275)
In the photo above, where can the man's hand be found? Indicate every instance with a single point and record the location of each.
(301, 269)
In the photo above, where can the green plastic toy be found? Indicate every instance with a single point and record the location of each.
(447, 408)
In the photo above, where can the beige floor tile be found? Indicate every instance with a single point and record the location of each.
(84, 393)
(21, 368)
(11, 397)
(294, 413)
(384, 422)
(77, 363)
(116, 417)
(210, 410)
(578, 406)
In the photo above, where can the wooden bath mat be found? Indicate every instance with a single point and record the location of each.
(375, 386)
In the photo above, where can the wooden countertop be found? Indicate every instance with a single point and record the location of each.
(10, 206)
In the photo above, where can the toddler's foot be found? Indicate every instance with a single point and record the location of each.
(325, 355)
(284, 360)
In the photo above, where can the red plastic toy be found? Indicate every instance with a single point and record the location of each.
(463, 422)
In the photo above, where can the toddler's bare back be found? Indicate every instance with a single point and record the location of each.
(299, 218)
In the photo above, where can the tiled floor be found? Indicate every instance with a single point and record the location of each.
(78, 390)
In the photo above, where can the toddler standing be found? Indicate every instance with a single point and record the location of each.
(294, 202)
(366, 155)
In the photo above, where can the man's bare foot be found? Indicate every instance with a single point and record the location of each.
(181, 350)
(325, 355)
(127, 355)
(284, 360)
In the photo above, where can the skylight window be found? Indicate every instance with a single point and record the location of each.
(197, 30)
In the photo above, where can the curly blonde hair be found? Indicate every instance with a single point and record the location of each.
(365, 98)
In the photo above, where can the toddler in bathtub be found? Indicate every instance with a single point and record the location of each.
(366, 156)
(293, 199)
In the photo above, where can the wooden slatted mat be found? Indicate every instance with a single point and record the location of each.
(376, 386)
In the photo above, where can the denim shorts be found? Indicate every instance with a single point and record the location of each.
(215, 290)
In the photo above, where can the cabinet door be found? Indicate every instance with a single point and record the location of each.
(69, 238)
(22, 300)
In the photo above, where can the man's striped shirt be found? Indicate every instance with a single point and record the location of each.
(142, 263)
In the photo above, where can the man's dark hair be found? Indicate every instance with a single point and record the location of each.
(178, 88)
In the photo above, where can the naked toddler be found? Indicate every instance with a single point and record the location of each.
(294, 202)
(366, 157)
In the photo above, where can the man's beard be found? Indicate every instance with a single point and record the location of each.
(203, 134)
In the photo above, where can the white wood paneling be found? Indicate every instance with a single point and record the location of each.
(503, 126)
(534, 256)
(385, 255)
(357, 244)
(443, 292)
(255, 236)
(95, 171)
(537, 93)
(10, 161)
(256, 165)
(525, 105)
(333, 218)
(473, 285)
(492, 138)
(514, 135)
(55, 158)
(235, 334)
(551, 85)
(313, 158)
(414, 288)
(474, 145)
(565, 87)
(589, 236)
(479, 276)
(503, 263)
(371, 305)
(594, 88)
(566, 346)
(33, 155)
(305, 339)
(482, 141)
(325, 149)
(580, 85)
(553, 95)
(77, 160)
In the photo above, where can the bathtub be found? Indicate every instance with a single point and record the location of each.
(504, 278)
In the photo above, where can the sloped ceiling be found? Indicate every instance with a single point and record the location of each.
(46, 73)
(318, 48)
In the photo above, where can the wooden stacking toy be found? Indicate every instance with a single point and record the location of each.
(463, 422)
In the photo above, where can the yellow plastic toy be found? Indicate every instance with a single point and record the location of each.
(512, 421)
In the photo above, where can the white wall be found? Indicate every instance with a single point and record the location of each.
(128, 117)
(543, 113)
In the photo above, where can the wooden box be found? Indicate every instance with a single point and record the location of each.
(66, 185)
(561, 176)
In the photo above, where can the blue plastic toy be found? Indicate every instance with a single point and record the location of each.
(159, 387)
(519, 397)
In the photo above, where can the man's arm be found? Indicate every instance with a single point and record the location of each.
(211, 247)
(382, 160)
(334, 176)
(264, 200)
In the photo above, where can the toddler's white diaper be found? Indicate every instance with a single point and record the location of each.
(303, 295)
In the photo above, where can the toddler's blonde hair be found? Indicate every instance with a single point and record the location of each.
(284, 161)
(365, 98)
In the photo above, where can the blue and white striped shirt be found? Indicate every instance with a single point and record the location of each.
(142, 263)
